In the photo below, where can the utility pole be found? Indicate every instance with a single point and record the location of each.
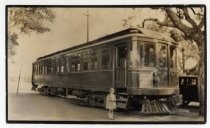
(19, 79)
(87, 14)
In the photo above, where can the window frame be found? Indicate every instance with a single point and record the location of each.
(104, 51)
(88, 57)
(171, 57)
(142, 53)
(74, 58)
(167, 57)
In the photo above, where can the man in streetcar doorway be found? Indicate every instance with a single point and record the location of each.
(111, 103)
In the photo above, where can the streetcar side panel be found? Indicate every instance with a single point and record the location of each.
(93, 81)
(100, 79)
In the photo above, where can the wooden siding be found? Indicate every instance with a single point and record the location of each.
(94, 81)
(146, 78)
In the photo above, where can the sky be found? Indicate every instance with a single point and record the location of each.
(68, 29)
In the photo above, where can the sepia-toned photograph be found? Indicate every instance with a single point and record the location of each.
(106, 64)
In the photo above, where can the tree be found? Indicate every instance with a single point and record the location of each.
(189, 23)
(25, 20)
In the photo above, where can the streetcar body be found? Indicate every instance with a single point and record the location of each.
(138, 63)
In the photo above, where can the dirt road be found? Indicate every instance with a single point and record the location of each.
(31, 106)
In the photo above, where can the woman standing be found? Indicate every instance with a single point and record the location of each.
(111, 103)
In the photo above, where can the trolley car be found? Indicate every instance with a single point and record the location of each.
(140, 64)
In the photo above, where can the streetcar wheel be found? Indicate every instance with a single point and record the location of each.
(45, 91)
(91, 100)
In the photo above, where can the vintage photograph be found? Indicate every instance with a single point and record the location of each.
(106, 64)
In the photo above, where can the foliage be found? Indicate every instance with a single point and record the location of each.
(12, 42)
(26, 20)
(191, 57)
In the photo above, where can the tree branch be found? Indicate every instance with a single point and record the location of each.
(164, 23)
(201, 24)
(177, 22)
(193, 33)
(193, 10)
(199, 14)
(188, 18)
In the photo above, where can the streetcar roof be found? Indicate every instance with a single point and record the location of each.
(142, 32)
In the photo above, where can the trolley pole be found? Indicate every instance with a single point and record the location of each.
(87, 24)
(19, 80)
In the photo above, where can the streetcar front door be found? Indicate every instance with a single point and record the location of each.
(120, 65)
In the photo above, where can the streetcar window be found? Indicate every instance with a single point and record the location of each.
(162, 56)
(105, 61)
(45, 67)
(57, 65)
(38, 65)
(149, 55)
(86, 64)
(75, 62)
(75, 65)
(122, 54)
(49, 65)
(90, 61)
(40, 68)
(94, 63)
(78, 67)
(53, 66)
(93, 59)
(62, 66)
(37, 68)
(63, 62)
(173, 57)
(141, 55)
(105, 58)
(68, 64)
